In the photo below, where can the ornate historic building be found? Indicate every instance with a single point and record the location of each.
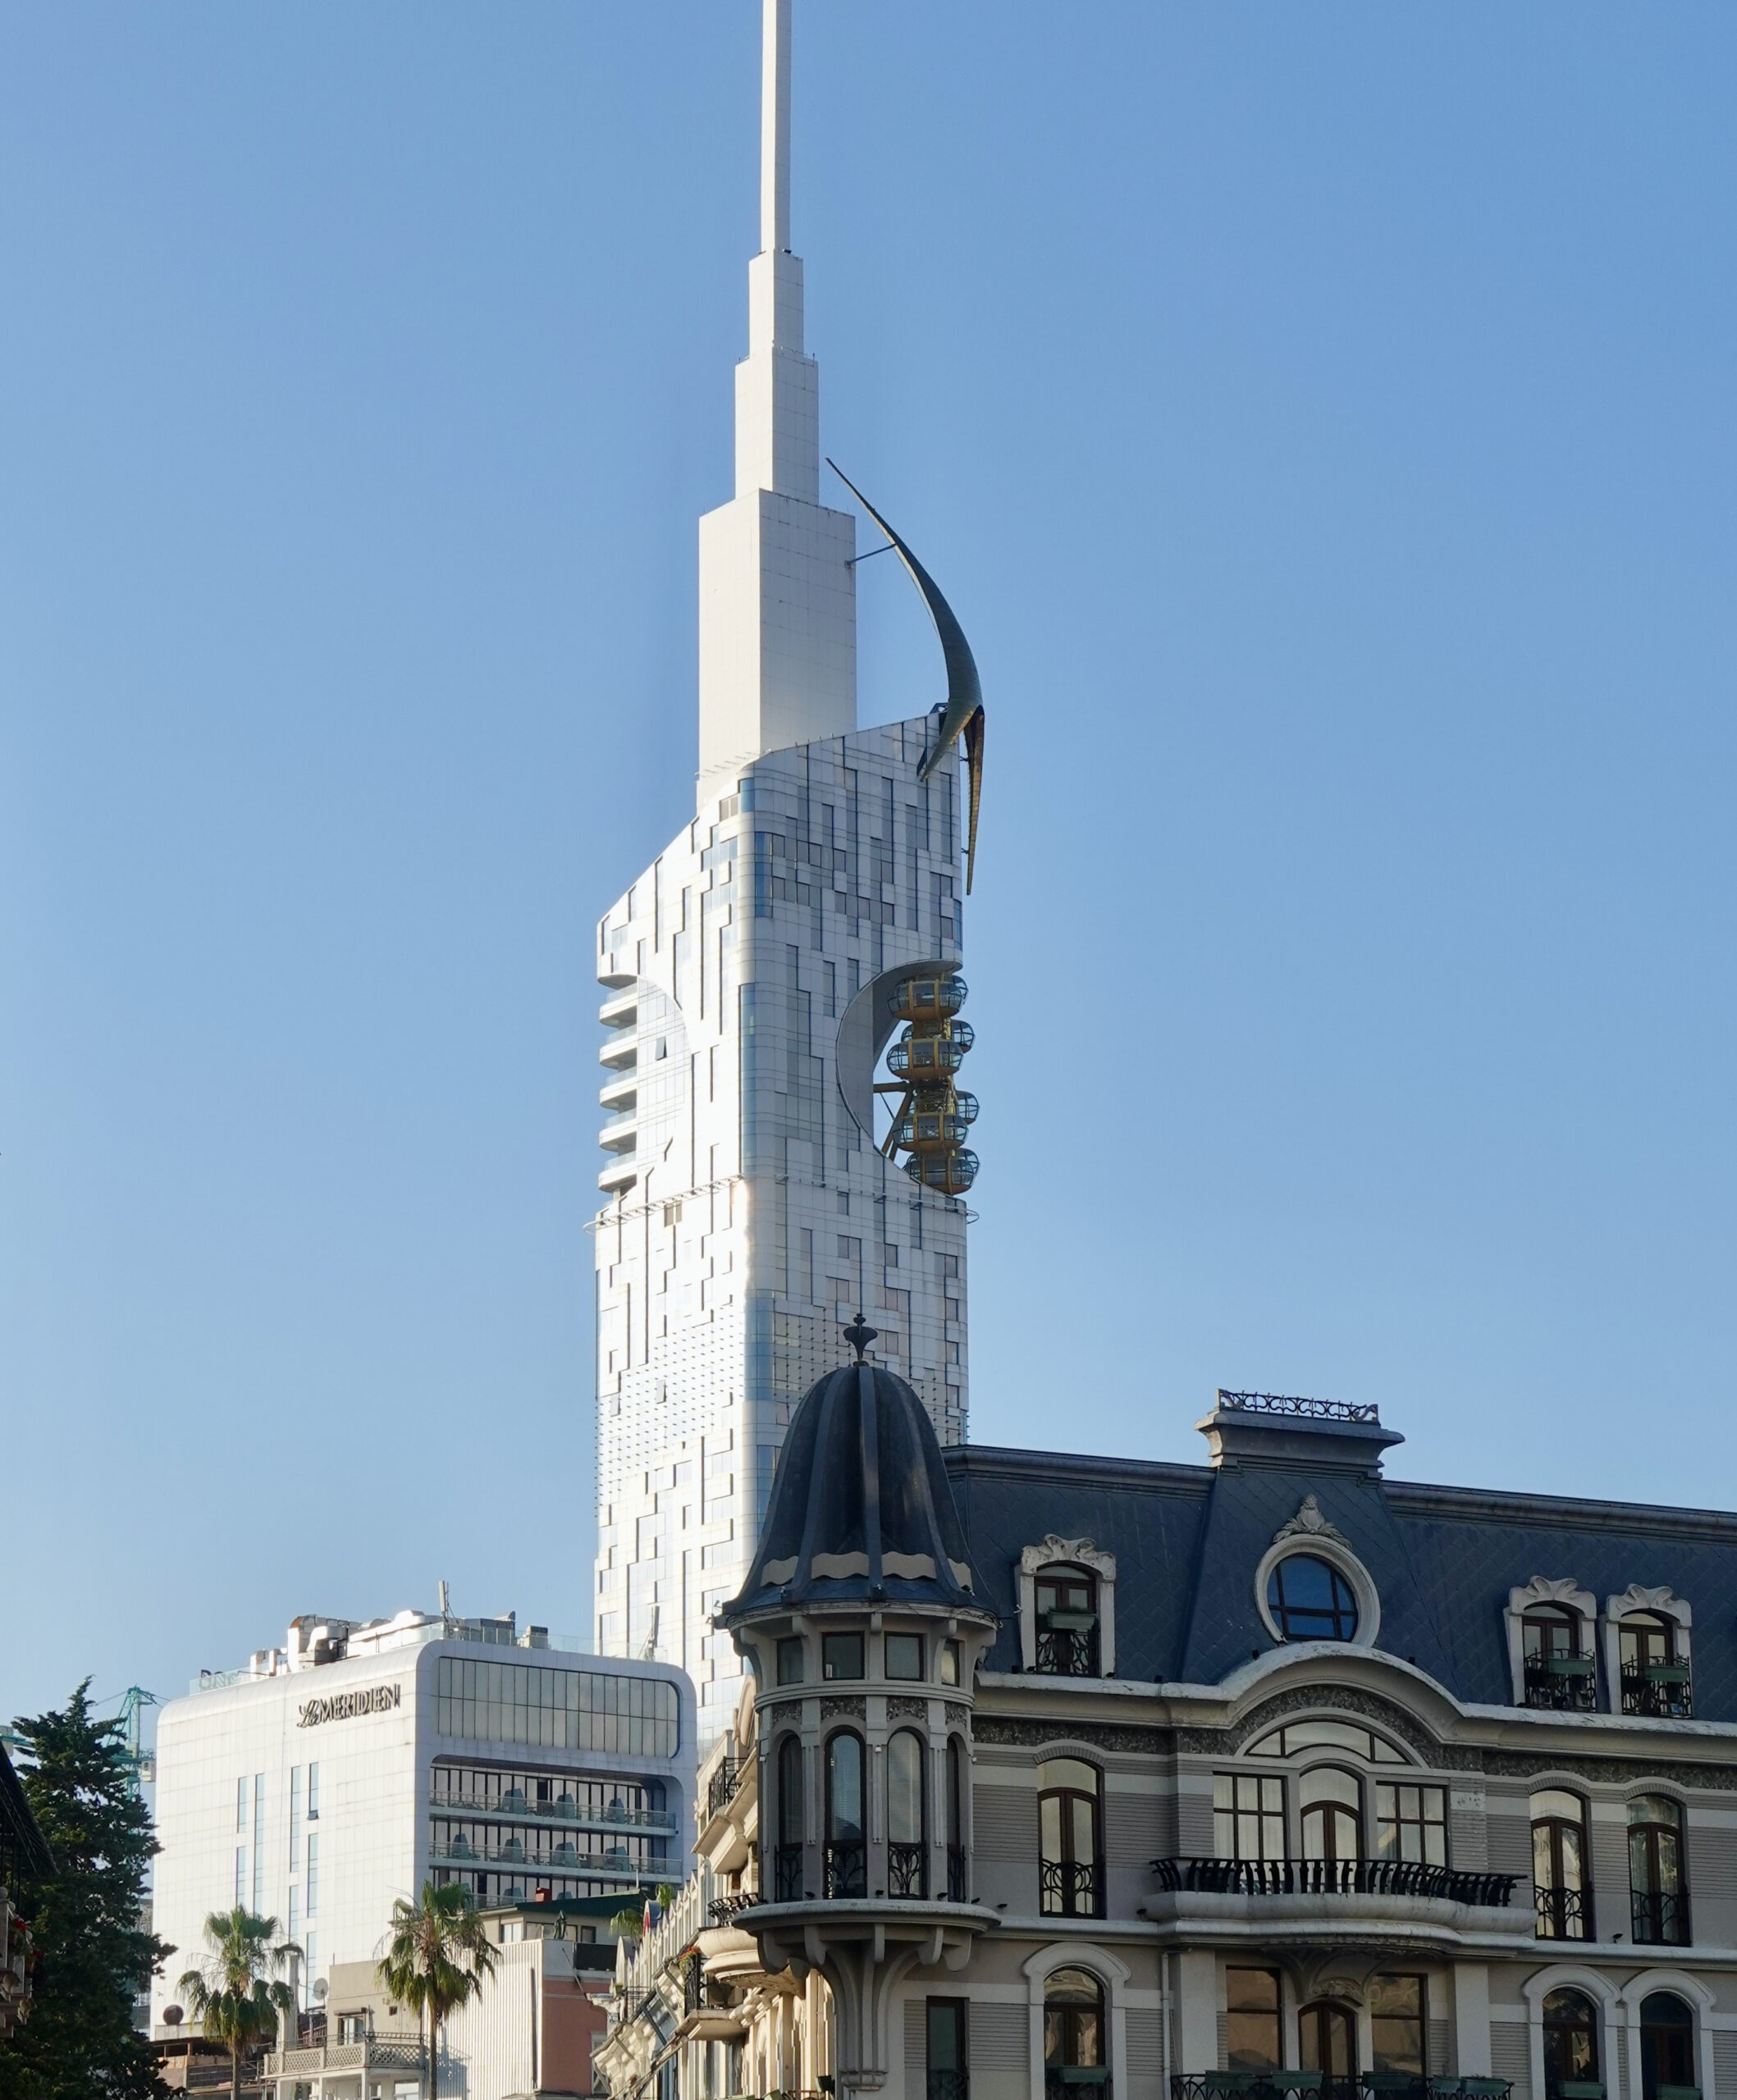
(1172, 1781)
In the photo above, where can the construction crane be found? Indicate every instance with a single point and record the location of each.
(141, 1763)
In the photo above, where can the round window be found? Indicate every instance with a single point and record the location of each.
(1310, 1600)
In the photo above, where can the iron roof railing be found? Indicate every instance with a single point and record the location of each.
(1293, 1403)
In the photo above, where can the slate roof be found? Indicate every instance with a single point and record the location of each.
(1188, 1540)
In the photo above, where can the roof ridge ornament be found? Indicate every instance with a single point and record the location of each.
(1310, 1523)
(859, 1334)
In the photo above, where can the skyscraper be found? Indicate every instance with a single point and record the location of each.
(752, 979)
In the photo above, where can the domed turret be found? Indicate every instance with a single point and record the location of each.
(861, 1507)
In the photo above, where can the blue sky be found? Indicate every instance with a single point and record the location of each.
(1321, 419)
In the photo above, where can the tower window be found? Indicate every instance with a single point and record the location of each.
(841, 1655)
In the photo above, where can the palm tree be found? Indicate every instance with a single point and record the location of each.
(438, 1953)
(237, 1993)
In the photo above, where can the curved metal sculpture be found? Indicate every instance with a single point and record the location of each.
(963, 716)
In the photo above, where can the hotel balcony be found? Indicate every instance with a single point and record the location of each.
(496, 1810)
(1316, 1901)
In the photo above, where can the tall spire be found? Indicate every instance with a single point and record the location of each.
(777, 603)
(775, 128)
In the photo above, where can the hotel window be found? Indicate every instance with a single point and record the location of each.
(1570, 2046)
(954, 1809)
(787, 1866)
(1655, 1677)
(1332, 1802)
(847, 1853)
(313, 1793)
(907, 1834)
(1248, 1817)
(1557, 1674)
(295, 1822)
(904, 1652)
(947, 2077)
(950, 1662)
(1076, 2047)
(790, 1660)
(312, 1878)
(1310, 1600)
(1658, 1901)
(240, 1805)
(259, 1841)
(241, 1877)
(1411, 1823)
(295, 1934)
(1252, 2029)
(841, 1655)
(1070, 1874)
(1067, 1604)
(556, 1709)
(1667, 2047)
(1561, 1894)
(1399, 2025)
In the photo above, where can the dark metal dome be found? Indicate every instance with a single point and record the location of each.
(861, 1508)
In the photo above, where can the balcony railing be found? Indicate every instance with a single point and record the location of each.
(1067, 1888)
(1077, 2082)
(1659, 1917)
(1662, 1691)
(723, 1786)
(1068, 1650)
(613, 1864)
(1414, 1877)
(1314, 2085)
(956, 1884)
(1566, 1683)
(846, 1869)
(787, 1875)
(495, 1809)
(378, 2052)
(1562, 1913)
(907, 1870)
(726, 1910)
(947, 2085)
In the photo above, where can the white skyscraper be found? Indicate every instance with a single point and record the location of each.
(750, 973)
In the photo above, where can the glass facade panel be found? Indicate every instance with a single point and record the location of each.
(554, 1709)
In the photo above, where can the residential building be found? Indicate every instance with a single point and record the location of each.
(337, 1773)
(1173, 1781)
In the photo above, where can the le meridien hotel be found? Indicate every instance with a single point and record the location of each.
(340, 1771)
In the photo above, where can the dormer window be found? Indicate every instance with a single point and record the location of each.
(1067, 1622)
(1309, 1600)
(1654, 1676)
(1557, 1673)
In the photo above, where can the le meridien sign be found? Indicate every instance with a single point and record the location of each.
(348, 1706)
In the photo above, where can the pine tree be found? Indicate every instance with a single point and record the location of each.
(80, 2043)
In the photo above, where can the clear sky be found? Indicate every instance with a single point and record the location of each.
(1321, 419)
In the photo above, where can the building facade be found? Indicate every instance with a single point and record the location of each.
(751, 976)
(339, 1772)
(1271, 1771)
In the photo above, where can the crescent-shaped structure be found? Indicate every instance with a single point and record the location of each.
(964, 712)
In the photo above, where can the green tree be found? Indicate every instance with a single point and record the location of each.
(80, 2043)
(438, 1953)
(237, 1993)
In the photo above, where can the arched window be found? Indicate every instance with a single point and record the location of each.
(1076, 2037)
(847, 1853)
(1067, 1602)
(908, 1848)
(1332, 1802)
(1655, 1678)
(1570, 2044)
(1667, 2046)
(1658, 1901)
(1561, 1891)
(955, 1821)
(1310, 1600)
(1070, 1872)
(1327, 2034)
(787, 1866)
(1557, 1673)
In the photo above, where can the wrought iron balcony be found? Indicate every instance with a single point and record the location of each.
(846, 1869)
(1566, 1683)
(1067, 1644)
(1067, 1888)
(1662, 1691)
(725, 1784)
(956, 1884)
(1315, 2085)
(947, 2085)
(1413, 1878)
(1562, 1913)
(907, 1871)
(1659, 1917)
(787, 1875)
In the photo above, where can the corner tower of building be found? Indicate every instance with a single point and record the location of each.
(750, 979)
